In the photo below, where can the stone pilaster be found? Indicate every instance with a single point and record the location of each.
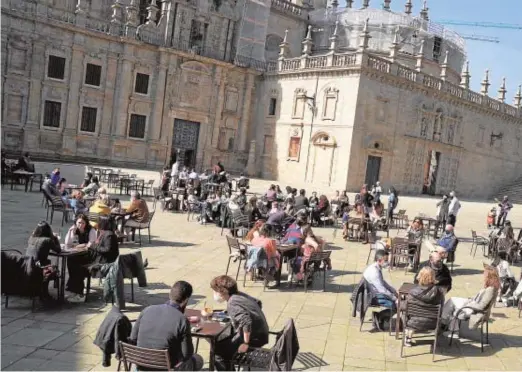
(221, 79)
(109, 95)
(245, 117)
(123, 92)
(159, 98)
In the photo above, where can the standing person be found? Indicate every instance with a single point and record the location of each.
(505, 207)
(442, 212)
(165, 326)
(453, 209)
(377, 190)
(174, 173)
(249, 325)
(393, 200)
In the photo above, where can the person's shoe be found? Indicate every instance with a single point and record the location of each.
(448, 334)
(146, 264)
(76, 299)
(407, 342)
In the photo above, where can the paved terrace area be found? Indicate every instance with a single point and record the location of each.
(328, 335)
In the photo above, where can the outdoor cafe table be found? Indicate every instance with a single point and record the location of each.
(429, 220)
(285, 250)
(404, 289)
(405, 240)
(210, 330)
(23, 174)
(62, 258)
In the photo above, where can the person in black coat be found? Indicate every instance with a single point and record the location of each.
(442, 274)
(103, 251)
(426, 293)
(41, 242)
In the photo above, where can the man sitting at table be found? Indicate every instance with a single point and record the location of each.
(250, 328)
(442, 273)
(138, 210)
(448, 240)
(385, 294)
(24, 163)
(166, 327)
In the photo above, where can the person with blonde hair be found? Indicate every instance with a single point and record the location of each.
(100, 206)
(480, 301)
(427, 292)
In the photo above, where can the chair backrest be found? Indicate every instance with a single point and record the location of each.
(425, 311)
(320, 256)
(58, 202)
(233, 244)
(93, 217)
(286, 348)
(144, 358)
(401, 212)
(151, 182)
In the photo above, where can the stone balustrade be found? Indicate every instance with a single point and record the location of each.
(335, 61)
(288, 7)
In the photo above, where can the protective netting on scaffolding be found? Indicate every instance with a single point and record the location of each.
(250, 49)
(382, 26)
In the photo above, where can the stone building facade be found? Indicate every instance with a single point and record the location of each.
(379, 106)
(125, 82)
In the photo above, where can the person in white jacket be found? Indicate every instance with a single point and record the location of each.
(453, 209)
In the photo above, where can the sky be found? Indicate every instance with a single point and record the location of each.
(503, 59)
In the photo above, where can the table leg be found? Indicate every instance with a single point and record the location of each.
(26, 182)
(211, 358)
(61, 282)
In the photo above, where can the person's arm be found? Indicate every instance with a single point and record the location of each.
(69, 237)
(243, 320)
(55, 245)
(187, 348)
(92, 235)
(484, 301)
(508, 270)
(375, 278)
(132, 207)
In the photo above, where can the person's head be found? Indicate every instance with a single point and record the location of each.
(252, 201)
(272, 187)
(343, 193)
(89, 175)
(452, 194)
(435, 259)
(224, 287)
(505, 198)
(263, 230)
(219, 194)
(508, 223)
(43, 230)
(314, 194)
(103, 198)
(502, 255)
(444, 197)
(56, 171)
(102, 191)
(426, 276)
(95, 180)
(302, 192)
(180, 293)
(381, 257)
(134, 195)
(62, 181)
(104, 223)
(301, 221)
(77, 194)
(308, 232)
(417, 223)
(288, 189)
(377, 183)
(294, 191)
(448, 229)
(27, 155)
(275, 205)
(278, 189)
(491, 278)
(82, 223)
(442, 252)
(337, 193)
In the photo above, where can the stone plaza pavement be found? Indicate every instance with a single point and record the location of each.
(328, 335)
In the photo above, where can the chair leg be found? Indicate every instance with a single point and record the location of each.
(487, 332)
(149, 232)
(324, 279)
(88, 287)
(482, 337)
(228, 265)
(139, 235)
(132, 290)
(238, 268)
(6, 301)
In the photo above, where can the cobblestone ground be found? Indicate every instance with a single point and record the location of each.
(328, 335)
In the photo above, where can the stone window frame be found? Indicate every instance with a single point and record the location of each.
(20, 46)
(231, 90)
(330, 93)
(63, 114)
(295, 132)
(481, 136)
(382, 103)
(299, 94)
(142, 70)
(98, 119)
(273, 94)
(62, 54)
(147, 119)
(99, 62)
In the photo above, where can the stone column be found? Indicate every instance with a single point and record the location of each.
(245, 117)
(251, 164)
(221, 79)
(122, 93)
(109, 94)
(34, 100)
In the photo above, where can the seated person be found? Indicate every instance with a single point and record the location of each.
(480, 302)
(242, 198)
(271, 194)
(321, 208)
(507, 279)
(295, 232)
(191, 202)
(300, 201)
(41, 242)
(343, 200)
(50, 189)
(442, 274)
(93, 187)
(80, 233)
(311, 245)
(87, 180)
(55, 176)
(276, 216)
(252, 210)
(415, 233)
(138, 209)
(24, 163)
(77, 203)
(101, 206)
(254, 231)
(426, 293)
(249, 325)
(102, 250)
(448, 240)
(384, 294)
(268, 244)
(314, 200)
(165, 326)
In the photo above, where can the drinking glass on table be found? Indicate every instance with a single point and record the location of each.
(207, 311)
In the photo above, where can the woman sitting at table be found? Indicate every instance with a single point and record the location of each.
(294, 233)
(254, 231)
(268, 244)
(104, 249)
(77, 203)
(101, 206)
(322, 208)
(252, 210)
(41, 242)
(426, 293)
(312, 244)
(481, 301)
(415, 233)
(93, 187)
(87, 180)
(80, 233)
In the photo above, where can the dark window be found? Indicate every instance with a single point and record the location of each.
(272, 107)
(88, 119)
(56, 67)
(142, 83)
(437, 44)
(93, 74)
(137, 126)
(52, 111)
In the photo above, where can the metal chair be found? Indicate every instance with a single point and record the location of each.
(430, 312)
(141, 225)
(56, 204)
(476, 241)
(237, 251)
(151, 359)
